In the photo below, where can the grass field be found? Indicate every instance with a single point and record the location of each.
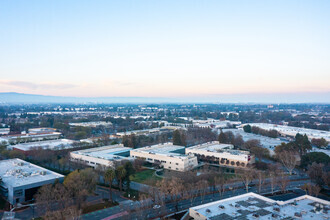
(145, 176)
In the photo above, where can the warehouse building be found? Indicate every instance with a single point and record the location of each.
(58, 144)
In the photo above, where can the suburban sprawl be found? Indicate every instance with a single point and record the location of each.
(164, 161)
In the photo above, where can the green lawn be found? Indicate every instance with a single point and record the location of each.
(145, 176)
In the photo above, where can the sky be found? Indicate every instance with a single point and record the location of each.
(166, 48)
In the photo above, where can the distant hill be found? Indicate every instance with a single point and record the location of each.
(13, 97)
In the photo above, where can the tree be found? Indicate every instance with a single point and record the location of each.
(129, 172)
(220, 182)
(317, 157)
(246, 176)
(178, 138)
(315, 172)
(273, 173)
(261, 179)
(283, 181)
(289, 159)
(80, 184)
(109, 177)
(252, 143)
(247, 128)
(302, 143)
(120, 175)
(319, 142)
(222, 137)
(259, 152)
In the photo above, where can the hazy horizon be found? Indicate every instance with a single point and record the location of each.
(214, 50)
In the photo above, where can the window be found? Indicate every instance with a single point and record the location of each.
(176, 163)
(18, 192)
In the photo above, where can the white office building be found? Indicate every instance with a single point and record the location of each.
(105, 156)
(21, 180)
(252, 206)
(220, 154)
(169, 156)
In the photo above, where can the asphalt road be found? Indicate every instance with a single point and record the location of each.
(144, 210)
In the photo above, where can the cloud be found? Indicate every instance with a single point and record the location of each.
(35, 86)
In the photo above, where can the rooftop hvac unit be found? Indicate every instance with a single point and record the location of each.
(20, 164)
(43, 173)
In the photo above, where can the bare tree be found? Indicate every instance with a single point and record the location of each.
(283, 181)
(246, 176)
(202, 187)
(289, 159)
(261, 179)
(220, 182)
(273, 172)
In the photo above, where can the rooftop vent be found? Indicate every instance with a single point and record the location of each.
(221, 207)
(277, 209)
(256, 215)
(208, 210)
(298, 214)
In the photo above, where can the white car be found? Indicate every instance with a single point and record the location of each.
(156, 207)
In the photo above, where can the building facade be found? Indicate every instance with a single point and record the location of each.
(221, 154)
(101, 156)
(167, 155)
(20, 180)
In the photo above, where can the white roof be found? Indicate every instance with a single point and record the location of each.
(289, 130)
(248, 204)
(50, 144)
(166, 149)
(17, 172)
(266, 142)
(110, 152)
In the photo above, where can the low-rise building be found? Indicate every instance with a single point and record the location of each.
(58, 144)
(41, 130)
(20, 180)
(30, 137)
(266, 142)
(221, 154)
(4, 131)
(254, 206)
(169, 156)
(92, 124)
(105, 156)
(289, 131)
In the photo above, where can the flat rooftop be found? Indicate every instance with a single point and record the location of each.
(266, 142)
(212, 146)
(49, 144)
(91, 124)
(216, 147)
(254, 206)
(17, 172)
(110, 152)
(166, 149)
(311, 133)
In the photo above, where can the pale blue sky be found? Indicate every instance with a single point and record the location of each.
(164, 48)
